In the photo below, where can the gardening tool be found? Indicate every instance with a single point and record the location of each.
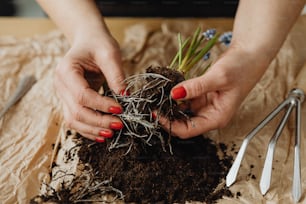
(293, 100)
(23, 87)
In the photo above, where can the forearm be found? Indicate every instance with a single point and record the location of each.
(75, 17)
(261, 26)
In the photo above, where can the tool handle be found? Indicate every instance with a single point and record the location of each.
(24, 85)
(300, 81)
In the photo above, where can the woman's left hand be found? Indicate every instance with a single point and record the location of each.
(215, 97)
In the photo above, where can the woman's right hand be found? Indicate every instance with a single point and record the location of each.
(79, 76)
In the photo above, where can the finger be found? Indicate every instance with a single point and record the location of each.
(111, 66)
(91, 117)
(91, 99)
(82, 94)
(194, 126)
(198, 86)
(88, 131)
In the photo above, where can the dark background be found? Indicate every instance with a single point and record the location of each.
(169, 8)
(7, 8)
(152, 8)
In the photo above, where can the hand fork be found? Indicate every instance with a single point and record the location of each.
(294, 99)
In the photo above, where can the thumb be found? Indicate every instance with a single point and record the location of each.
(195, 87)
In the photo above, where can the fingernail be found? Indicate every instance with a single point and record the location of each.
(178, 93)
(116, 125)
(115, 109)
(106, 133)
(100, 139)
(124, 92)
(154, 116)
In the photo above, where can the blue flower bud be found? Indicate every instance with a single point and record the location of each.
(226, 38)
(209, 34)
(206, 56)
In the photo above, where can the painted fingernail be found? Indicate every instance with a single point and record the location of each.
(178, 93)
(154, 116)
(116, 125)
(115, 109)
(106, 133)
(124, 92)
(100, 139)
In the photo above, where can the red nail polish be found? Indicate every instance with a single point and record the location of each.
(116, 125)
(115, 110)
(154, 116)
(178, 93)
(100, 139)
(124, 92)
(106, 133)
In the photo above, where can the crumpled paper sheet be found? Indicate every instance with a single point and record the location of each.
(31, 127)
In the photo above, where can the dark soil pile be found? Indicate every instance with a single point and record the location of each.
(150, 175)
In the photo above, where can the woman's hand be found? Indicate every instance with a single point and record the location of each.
(259, 31)
(94, 55)
(77, 79)
(215, 97)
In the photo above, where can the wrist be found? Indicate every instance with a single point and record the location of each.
(256, 55)
(241, 68)
(89, 31)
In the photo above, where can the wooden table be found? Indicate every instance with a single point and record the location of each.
(27, 27)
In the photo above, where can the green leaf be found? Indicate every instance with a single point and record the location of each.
(179, 53)
(192, 51)
(201, 54)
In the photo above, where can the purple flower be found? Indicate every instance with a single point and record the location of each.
(226, 38)
(206, 56)
(209, 34)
